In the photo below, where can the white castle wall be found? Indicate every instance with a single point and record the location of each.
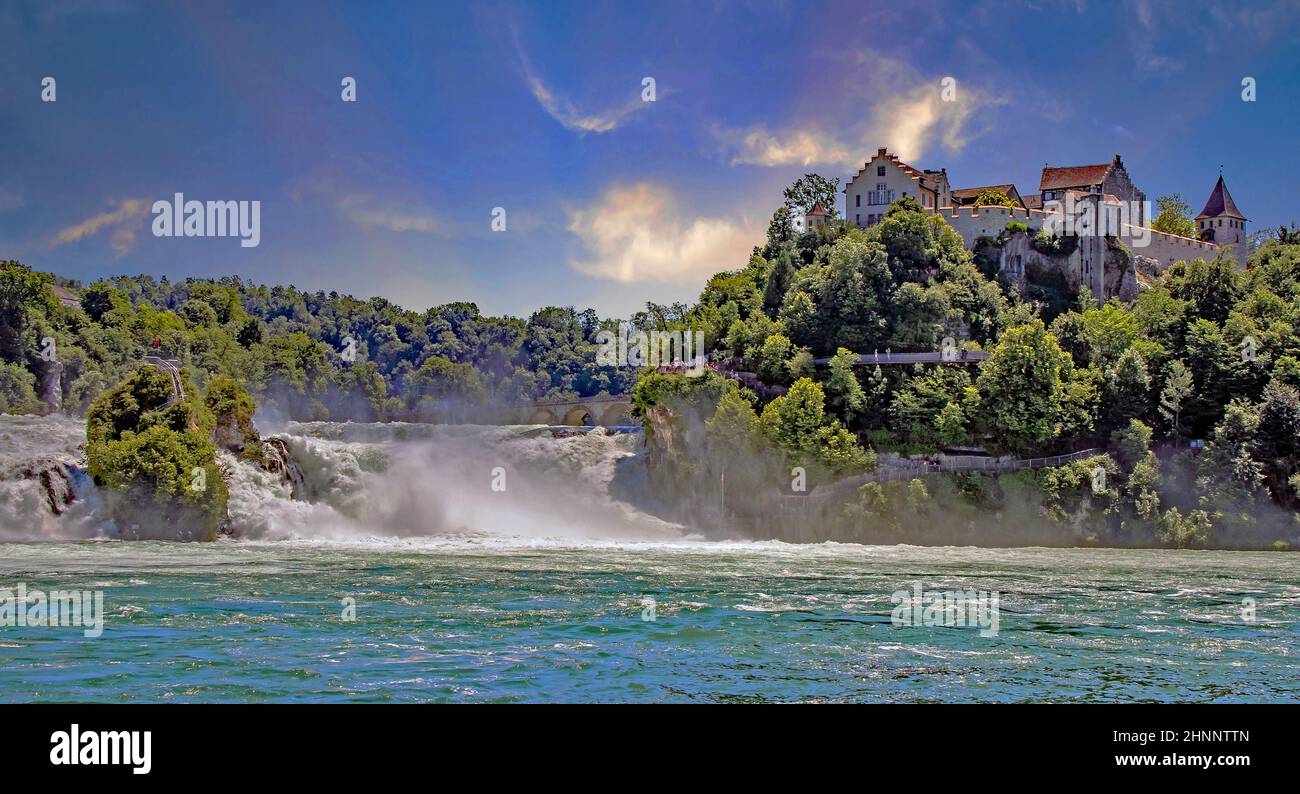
(975, 222)
(1086, 264)
(1167, 248)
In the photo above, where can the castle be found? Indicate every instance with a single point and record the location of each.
(1099, 203)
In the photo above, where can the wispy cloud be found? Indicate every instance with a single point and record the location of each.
(370, 212)
(636, 234)
(906, 112)
(758, 146)
(395, 208)
(563, 110)
(124, 220)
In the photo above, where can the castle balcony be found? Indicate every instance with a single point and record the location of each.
(879, 198)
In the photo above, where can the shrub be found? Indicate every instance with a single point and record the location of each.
(1049, 244)
(17, 389)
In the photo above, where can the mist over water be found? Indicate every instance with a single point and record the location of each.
(412, 481)
(369, 482)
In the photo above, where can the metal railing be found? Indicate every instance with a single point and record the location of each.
(169, 366)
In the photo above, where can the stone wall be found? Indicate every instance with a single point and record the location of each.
(1166, 248)
(1091, 261)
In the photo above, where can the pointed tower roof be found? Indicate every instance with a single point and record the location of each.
(1220, 204)
(818, 209)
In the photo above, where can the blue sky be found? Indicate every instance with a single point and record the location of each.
(537, 108)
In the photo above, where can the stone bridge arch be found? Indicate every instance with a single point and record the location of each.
(617, 414)
(580, 415)
(540, 416)
(588, 412)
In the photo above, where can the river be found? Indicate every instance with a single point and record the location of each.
(500, 564)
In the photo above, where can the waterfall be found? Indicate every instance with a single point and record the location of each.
(349, 482)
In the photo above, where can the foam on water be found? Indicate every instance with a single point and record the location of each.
(374, 483)
(30, 445)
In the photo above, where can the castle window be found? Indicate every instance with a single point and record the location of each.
(880, 170)
(857, 200)
(857, 219)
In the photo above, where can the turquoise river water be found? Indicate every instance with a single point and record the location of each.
(470, 564)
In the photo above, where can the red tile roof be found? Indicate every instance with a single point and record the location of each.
(818, 209)
(1073, 176)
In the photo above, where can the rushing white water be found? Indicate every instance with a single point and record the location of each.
(41, 460)
(373, 481)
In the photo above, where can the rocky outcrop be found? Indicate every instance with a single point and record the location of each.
(277, 459)
(661, 443)
(59, 480)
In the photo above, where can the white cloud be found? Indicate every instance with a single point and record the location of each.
(124, 220)
(905, 112)
(802, 147)
(636, 234)
(910, 123)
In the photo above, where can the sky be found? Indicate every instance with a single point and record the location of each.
(536, 114)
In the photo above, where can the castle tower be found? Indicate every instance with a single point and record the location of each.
(1221, 222)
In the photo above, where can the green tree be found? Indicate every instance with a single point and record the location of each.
(951, 425)
(801, 364)
(1277, 440)
(1173, 216)
(232, 409)
(796, 423)
(1186, 532)
(811, 189)
(23, 292)
(844, 393)
(993, 198)
(1131, 444)
(443, 390)
(1178, 387)
(17, 389)
(780, 230)
(772, 361)
(1021, 389)
(1127, 389)
(1210, 287)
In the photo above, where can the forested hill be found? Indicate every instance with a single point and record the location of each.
(306, 354)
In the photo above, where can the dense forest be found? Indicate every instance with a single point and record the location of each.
(1191, 389)
(303, 355)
